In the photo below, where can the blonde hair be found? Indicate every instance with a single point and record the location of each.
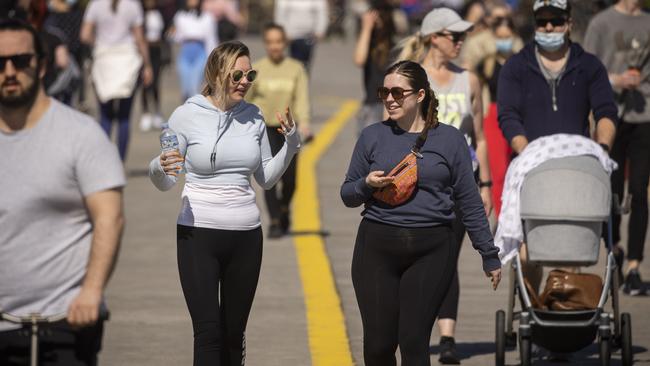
(414, 48)
(217, 69)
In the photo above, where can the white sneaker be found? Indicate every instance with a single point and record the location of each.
(145, 122)
(157, 120)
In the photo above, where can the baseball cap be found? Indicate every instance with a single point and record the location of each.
(443, 18)
(562, 6)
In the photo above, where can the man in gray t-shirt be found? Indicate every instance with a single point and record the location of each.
(620, 37)
(60, 209)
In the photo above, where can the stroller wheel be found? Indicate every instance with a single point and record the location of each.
(605, 351)
(626, 339)
(500, 338)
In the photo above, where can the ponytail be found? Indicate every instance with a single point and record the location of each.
(114, 4)
(413, 48)
(430, 113)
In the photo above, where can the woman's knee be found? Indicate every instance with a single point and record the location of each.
(207, 334)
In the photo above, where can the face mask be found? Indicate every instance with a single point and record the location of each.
(550, 41)
(504, 45)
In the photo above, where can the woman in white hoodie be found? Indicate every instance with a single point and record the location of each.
(222, 142)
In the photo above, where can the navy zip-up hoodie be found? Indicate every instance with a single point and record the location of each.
(525, 99)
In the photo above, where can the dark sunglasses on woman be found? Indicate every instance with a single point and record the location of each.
(237, 75)
(19, 62)
(455, 36)
(396, 92)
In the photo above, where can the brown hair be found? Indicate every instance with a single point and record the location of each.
(114, 5)
(221, 60)
(418, 79)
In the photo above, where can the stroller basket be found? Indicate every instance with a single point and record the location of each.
(563, 205)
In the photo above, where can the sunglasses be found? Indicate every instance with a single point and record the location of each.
(396, 92)
(556, 22)
(20, 62)
(237, 75)
(455, 36)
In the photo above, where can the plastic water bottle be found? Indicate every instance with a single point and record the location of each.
(169, 142)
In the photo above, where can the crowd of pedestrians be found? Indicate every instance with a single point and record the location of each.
(448, 102)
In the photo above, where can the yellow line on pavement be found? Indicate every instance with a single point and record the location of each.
(328, 340)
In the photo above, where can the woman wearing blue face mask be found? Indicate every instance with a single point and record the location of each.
(487, 69)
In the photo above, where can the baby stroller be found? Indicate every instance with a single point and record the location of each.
(563, 205)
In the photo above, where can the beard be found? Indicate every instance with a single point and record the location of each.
(23, 99)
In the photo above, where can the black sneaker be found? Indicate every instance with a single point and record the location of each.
(448, 354)
(275, 231)
(633, 284)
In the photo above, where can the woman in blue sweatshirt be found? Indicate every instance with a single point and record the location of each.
(223, 143)
(404, 259)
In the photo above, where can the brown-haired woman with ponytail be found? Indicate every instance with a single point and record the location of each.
(404, 256)
(223, 144)
(459, 91)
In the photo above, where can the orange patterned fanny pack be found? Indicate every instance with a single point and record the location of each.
(406, 178)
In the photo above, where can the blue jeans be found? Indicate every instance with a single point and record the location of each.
(189, 65)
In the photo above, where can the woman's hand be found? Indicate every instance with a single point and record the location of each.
(486, 197)
(369, 18)
(171, 162)
(147, 75)
(495, 277)
(286, 125)
(377, 180)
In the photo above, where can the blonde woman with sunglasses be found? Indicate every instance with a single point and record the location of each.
(222, 143)
(459, 93)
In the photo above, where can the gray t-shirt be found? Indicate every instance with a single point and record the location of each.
(45, 229)
(621, 41)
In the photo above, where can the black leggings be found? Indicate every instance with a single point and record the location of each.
(449, 306)
(208, 258)
(632, 144)
(400, 276)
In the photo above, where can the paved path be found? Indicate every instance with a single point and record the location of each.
(150, 324)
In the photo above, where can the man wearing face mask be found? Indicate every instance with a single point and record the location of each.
(551, 86)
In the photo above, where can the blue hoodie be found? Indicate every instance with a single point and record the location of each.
(525, 98)
(224, 148)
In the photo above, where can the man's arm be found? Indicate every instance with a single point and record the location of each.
(605, 132)
(509, 95)
(106, 214)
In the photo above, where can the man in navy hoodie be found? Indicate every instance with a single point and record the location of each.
(551, 86)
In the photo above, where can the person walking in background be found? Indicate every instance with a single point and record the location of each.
(620, 38)
(153, 30)
(552, 86)
(506, 44)
(459, 94)
(222, 142)
(372, 53)
(196, 32)
(282, 82)
(228, 17)
(61, 237)
(305, 22)
(64, 19)
(115, 30)
(405, 252)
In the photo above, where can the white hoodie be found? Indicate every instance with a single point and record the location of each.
(222, 150)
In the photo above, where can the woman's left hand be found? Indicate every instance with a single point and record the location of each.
(486, 197)
(286, 124)
(495, 277)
